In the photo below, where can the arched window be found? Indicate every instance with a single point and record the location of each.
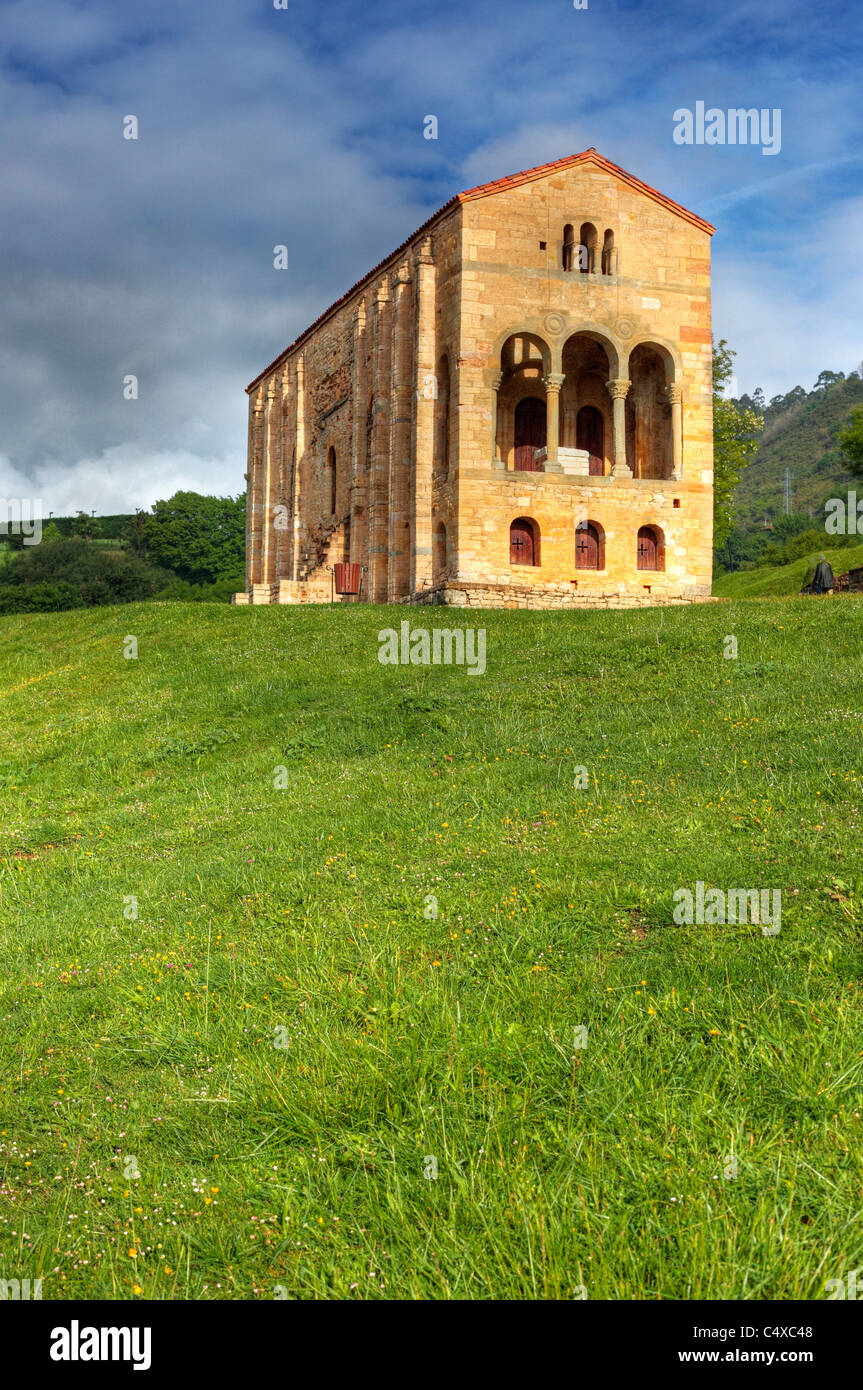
(568, 246)
(651, 548)
(440, 553)
(589, 546)
(590, 435)
(331, 480)
(529, 432)
(608, 253)
(524, 542)
(587, 250)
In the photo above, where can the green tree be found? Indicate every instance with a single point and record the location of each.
(201, 539)
(85, 527)
(851, 442)
(735, 440)
(133, 535)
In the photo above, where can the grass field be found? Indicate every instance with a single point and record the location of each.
(287, 1075)
(769, 581)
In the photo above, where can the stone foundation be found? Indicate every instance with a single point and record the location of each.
(460, 594)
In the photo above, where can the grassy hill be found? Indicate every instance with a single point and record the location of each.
(322, 1037)
(800, 436)
(770, 581)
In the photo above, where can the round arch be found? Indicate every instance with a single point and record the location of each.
(600, 334)
(666, 351)
(531, 336)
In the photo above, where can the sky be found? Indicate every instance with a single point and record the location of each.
(303, 126)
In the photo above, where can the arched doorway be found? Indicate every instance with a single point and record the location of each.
(590, 435)
(651, 548)
(588, 547)
(529, 432)
(523, 542)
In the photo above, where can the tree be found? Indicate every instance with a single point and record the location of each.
(735, 440)
(851, 442)
(85, 527)
(133, 535)
(826, 379)
(201, 538)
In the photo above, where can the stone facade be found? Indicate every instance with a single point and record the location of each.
(514, 409)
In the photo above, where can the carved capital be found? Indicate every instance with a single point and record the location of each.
(497, 383)
(423, 254)
(553, 381)
(618, 387)
(674, 392)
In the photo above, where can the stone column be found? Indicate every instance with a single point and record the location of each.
(256, 471)
(674, 392)
(552, 384)
(359, 461)
(249, 476)
(298, 529)
(286, 569)
(496, 452)
(398, 540)
(617, 389)
(424, 420)
(270, 473)
(281, 535)
(379, 473)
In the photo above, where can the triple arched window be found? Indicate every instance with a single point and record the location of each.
(591, 252)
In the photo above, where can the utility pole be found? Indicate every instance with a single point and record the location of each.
(787, 502)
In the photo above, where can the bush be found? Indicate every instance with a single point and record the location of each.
(181, 591)
(60, 574)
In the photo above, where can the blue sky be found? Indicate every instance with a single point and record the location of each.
(304, 126)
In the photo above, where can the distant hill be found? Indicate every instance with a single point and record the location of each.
(800, 432)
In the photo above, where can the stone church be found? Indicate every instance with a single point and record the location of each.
(514, 409)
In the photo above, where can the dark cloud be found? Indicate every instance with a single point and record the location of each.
(304, 127)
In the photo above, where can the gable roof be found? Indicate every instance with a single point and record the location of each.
(483, 190)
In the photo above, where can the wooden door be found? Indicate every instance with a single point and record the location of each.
(590, 435)
(529, 432)
(586, 546)
(646, 548)
(521, 543)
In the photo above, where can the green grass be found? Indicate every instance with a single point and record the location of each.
(148, 1045)
(771, 581)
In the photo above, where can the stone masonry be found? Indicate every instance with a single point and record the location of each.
(514, 409)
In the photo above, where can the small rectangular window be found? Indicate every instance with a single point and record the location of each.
(542, 245)
(677, 501)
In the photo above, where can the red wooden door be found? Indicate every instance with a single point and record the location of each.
(529, 432)
(586, 546)
(590, 435)
(646, 549)
(520, 543)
